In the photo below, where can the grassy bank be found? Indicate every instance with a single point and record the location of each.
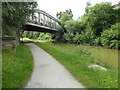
(17, 67)
(77, 60)
(108, 56)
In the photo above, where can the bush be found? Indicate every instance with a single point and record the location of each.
(87, 36)
(110, 37)
(77, 38)
(45, 36)
(68, 37)
(97, 41)
(100, 17)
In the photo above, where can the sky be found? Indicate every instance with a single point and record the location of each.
(77, 6)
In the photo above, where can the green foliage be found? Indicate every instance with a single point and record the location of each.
(16, 67)
(70, 26)
(36, 35)
(89, 27)
(64, 18)
(25, 34)
(8, 31)
(30, 35)
(76, 59)
(60, 14)
(77, 38)
(74, 26)
(110, 37)
(45, 36)
(74, 29)
(97, 41)
(15, 14)
(68, 37)
(101, 16)
(87, 36)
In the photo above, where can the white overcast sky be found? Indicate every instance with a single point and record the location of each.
(77, 6)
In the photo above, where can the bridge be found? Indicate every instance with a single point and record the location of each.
(42, 22)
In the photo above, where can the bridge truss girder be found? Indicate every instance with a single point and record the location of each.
(44, 19)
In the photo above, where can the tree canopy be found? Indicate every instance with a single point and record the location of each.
(94, 26)
(15, 14)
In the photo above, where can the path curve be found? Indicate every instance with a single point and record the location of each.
(49, 73)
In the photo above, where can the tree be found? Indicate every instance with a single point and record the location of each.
(100, 16)
(36, 35)
(15, 14)
(25, 34)
(63, 17)
(74, 26)
(68, 11)
(110, 37)
(88, 5)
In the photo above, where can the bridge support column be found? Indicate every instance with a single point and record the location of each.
(57, 36)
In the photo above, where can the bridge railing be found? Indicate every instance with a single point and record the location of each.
(44, 19)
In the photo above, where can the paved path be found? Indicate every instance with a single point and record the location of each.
(48, 73)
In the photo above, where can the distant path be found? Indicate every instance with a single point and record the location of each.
(48, 73)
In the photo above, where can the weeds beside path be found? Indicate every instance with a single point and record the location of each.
(16, 67)
(108, 56)
(48, 73)
(76, 60)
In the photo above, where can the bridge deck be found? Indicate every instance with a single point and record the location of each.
(39, 28)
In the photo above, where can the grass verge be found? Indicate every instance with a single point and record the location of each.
(107, 56)
(76, 60)
(16, 67)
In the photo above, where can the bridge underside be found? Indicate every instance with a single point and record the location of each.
(38, 28)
